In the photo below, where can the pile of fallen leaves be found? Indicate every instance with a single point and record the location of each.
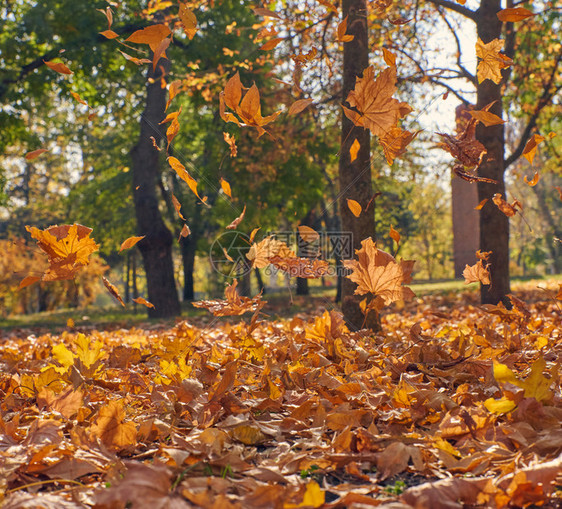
(453, 405)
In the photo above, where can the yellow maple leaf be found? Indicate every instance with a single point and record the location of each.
(492, 61)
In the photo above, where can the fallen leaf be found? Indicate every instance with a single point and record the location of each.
(481, 204)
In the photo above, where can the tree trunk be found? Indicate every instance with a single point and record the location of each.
(261, 286)
(494, 224)
(302, 283)
(128, 279)
(188, 249)
(355, 177)
(156, 247)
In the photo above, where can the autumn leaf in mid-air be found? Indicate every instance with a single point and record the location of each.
(112, 289)
(58, 67)
(342, 29)
(478, 273)
(185, 176)
(395, 141)
(464, 146)
(491, 60)
(514, 14)
(378, 273)
(130, 242)
(68, 248)
(261, 252)
(372, 97)
(237, 221)
(144, 302)
(152, 35)
(509, 209)
(355, 207)
(231, 143)
(247, 106)
(188, 20)
(531, 147)
(34, 154)
(233, 304)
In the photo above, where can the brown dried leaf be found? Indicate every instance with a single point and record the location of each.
(233, 305)
(130, 242)
(237, 221)
(492, 61)
(112, 289)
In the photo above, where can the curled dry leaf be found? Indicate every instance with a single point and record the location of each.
(177, 206)
(185, 176)
(233, 304)
(185, 231)
(481, 204)
(534, 181)
(492, 61)
(394, 235)
(458, 170)
(372, 97)
(144, 302)
(78, 98)
(395, 141)
(58, 67)
(232, 144)
(464, 146)
(508, 209)
(112, 289)
(478, 273)
(135, 60)
(130, 242)
(237, 221)
(378, 273)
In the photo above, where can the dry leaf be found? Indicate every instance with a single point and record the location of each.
(531, 147)
(237, 221)
(188, 20)
(372, 98)
(135, 60)
(299, 106)
(354, 149)
(487, 118)
(464, 146)
(260, 11)
(389, 57)
(109, 34)
(58, 67)
(225, 186)
(78, 98)
(185, 231)
(514, 14)
(534, 181)
(234, 304)
(492, 61)
(112, 289)
(177, 206)
(152, 35)
(34, 154)
(481, 204)
(110, 426)
(395, 141)
(394, 235)
(185, 176)
(342, 29)
(130, 242)
(378, 273)
(232, 144)
(144, 302)
(508, 209)
(272, 43)
(478, 273)
(354, 207)
(308, 234)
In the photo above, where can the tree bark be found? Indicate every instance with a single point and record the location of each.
(156, 247)
(188, 249)
(494, 224)
(355, 177)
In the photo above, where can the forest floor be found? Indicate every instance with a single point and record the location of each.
(453, 404)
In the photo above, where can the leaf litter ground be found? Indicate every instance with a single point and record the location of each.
(453, 405)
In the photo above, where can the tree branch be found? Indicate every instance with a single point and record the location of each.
(461, 9)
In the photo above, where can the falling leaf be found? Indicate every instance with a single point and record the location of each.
(259, 11)
(372, 98)
(137, 61)
(152, 35)
(394, 235)
(172, 131)
(531, 147)
(464, 146)
(78, 98)
(68, 248)
(34, 154)
(237, 221)
(389, 57)
(154, 144)
(232, 144)
(173, 90)
(248, 107)
(177, 206)
(342, 29)
(307, 268)
(534, 181)
(487, 118)
(481, 204)
(234, 304)
(354, 207)
(185, 176)
(112, 289)
(378, 273)
(225, 186)
(253, 234)
(308, 234)
(70, 323)
(299, 106)
(395, 141)
(189, 21)
(272, 43)
(160, 52)
(28, 281)
(262, 252)
(492, 61)
(354, 149)
(458, 170)
(478, 273)
(130, 242)
(185, 231)
(508, 209)
(58, 67)
(144, 302)
(109, 34)
(399, 21)
(514, 14)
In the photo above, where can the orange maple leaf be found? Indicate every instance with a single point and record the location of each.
(248, 107)
(464, 146)
(378, 273)
(377, 110)
(477, 273)
(68, 247)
